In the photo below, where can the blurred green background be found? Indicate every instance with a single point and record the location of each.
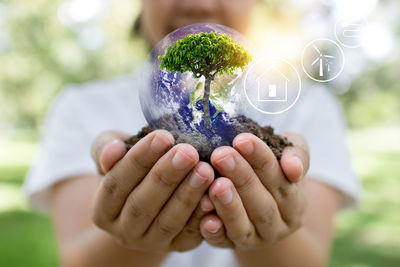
(46, 44)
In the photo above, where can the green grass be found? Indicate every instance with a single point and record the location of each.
(368, 236)
(26, 237)
(26, 240)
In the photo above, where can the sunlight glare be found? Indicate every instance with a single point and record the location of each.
(377, 41)
(354, 9)
(78, 11)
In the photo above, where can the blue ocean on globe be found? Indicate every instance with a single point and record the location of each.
(173, 101)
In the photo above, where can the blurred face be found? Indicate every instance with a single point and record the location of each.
(160, 17)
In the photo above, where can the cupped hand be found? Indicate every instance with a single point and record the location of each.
(258, 200)
(151, 198)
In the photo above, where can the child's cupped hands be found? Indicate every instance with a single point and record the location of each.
(154, 196)
(258, 199)
(150, 197)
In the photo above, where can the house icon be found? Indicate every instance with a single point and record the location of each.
(273, 92)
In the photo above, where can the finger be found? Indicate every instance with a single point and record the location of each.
(148, 198)
(252, 192)
(230, 209)
(176, 213)
(206, 205)
(107, 149)
(212, 230)
(295, 159)
(261, 158)
(191, 236)
(290, 200)
(126, 174)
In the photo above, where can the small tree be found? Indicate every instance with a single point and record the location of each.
(205, 54)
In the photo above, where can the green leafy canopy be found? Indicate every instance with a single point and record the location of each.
(205, 54)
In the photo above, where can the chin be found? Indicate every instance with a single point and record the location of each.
(183, 22)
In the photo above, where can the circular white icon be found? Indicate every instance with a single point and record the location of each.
(348, 32)
(323, 60)
(272, 86)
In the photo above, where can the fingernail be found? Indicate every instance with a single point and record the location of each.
(246, 147)
(196, 180)
(159, 144)
(227, 163)
(213, 226)
(225, 197)
(300, 163)
(181, 161)
(206, 205)
(213, 231)
(120, 149)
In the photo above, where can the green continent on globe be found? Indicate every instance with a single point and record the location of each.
(220, 95)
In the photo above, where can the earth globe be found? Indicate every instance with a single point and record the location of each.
(173, 100)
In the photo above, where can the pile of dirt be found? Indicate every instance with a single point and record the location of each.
(275, 142)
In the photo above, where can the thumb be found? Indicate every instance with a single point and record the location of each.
(107, 149)
(295, 159)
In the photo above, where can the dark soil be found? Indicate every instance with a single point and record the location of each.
(275, 142)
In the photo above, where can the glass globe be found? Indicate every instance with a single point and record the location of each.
(173, 101)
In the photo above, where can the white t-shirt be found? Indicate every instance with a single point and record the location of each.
(82, 112)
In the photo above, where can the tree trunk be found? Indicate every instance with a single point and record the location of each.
(206, 105)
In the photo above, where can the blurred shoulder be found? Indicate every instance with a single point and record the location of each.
(315, 104)
(108, 98)
(318, 96)
(89, 92)
(316, 101)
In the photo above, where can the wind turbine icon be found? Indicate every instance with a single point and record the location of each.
(320, 59)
